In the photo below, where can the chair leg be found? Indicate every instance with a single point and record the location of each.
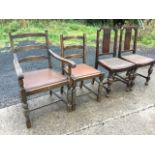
(149, 74)
(50, 92)
(61, 90)
(129, 80)
(100, 85)
(69, 102)
(93, 81)
(133, 77)
(81, 84)
(25, 109)
(109, 83)
(73, 96)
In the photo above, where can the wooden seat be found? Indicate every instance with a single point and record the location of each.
(128, 45)
(43, 78)
(82, 71)
(32, 82)
(113, 65)
(138, 59)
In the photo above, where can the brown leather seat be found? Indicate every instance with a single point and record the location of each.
(82, 70)
(138, 59)
(115, 64)
(42, 78)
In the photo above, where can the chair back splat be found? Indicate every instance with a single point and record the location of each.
(104, 41)
(128, 39)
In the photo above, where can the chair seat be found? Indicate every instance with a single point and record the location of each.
(42, 78)
(115, 64)
(138, 59)
(84, 70)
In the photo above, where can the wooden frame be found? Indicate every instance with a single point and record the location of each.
(130, 34)
(21, 76)
(106, 50)
(82, 56)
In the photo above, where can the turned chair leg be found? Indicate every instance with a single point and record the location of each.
(100, 85)
(61, 90)
(93, 81)
(25, 109)
(73, 96)
(149, 74)
(69, 102)
(50, 92)
(109, 83)
(81, 84)
(129, 80)
(133, 77)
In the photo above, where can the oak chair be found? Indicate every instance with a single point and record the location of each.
(82, 71)
(106, 48)
(36, 81)
(128, 44)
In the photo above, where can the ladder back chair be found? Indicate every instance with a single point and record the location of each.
(40, 80)
(128, 44)
(112, 64)
(82, 71)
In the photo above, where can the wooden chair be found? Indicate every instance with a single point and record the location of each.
(128, 43)
(113, 65)
(36, 81)
(82, 71)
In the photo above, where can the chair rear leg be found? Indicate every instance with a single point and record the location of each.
(25, 109)
(100, 85)
(149, 74)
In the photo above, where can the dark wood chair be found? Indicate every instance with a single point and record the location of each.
(36, 81)
(128, 44)
(106, 47)
(82, 71)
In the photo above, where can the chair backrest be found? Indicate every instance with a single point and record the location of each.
(128, 39)
(32, 46)
(105, 38)
(65, 47)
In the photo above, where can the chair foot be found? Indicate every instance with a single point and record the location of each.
(73, 107)
(69, 108)
(28, 124)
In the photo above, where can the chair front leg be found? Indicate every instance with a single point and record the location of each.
(81, 84)
(69, 102)
(25, 108)
(133, 77)
(100, 85)
(109, 83)
(73, 96)
(149, 74)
